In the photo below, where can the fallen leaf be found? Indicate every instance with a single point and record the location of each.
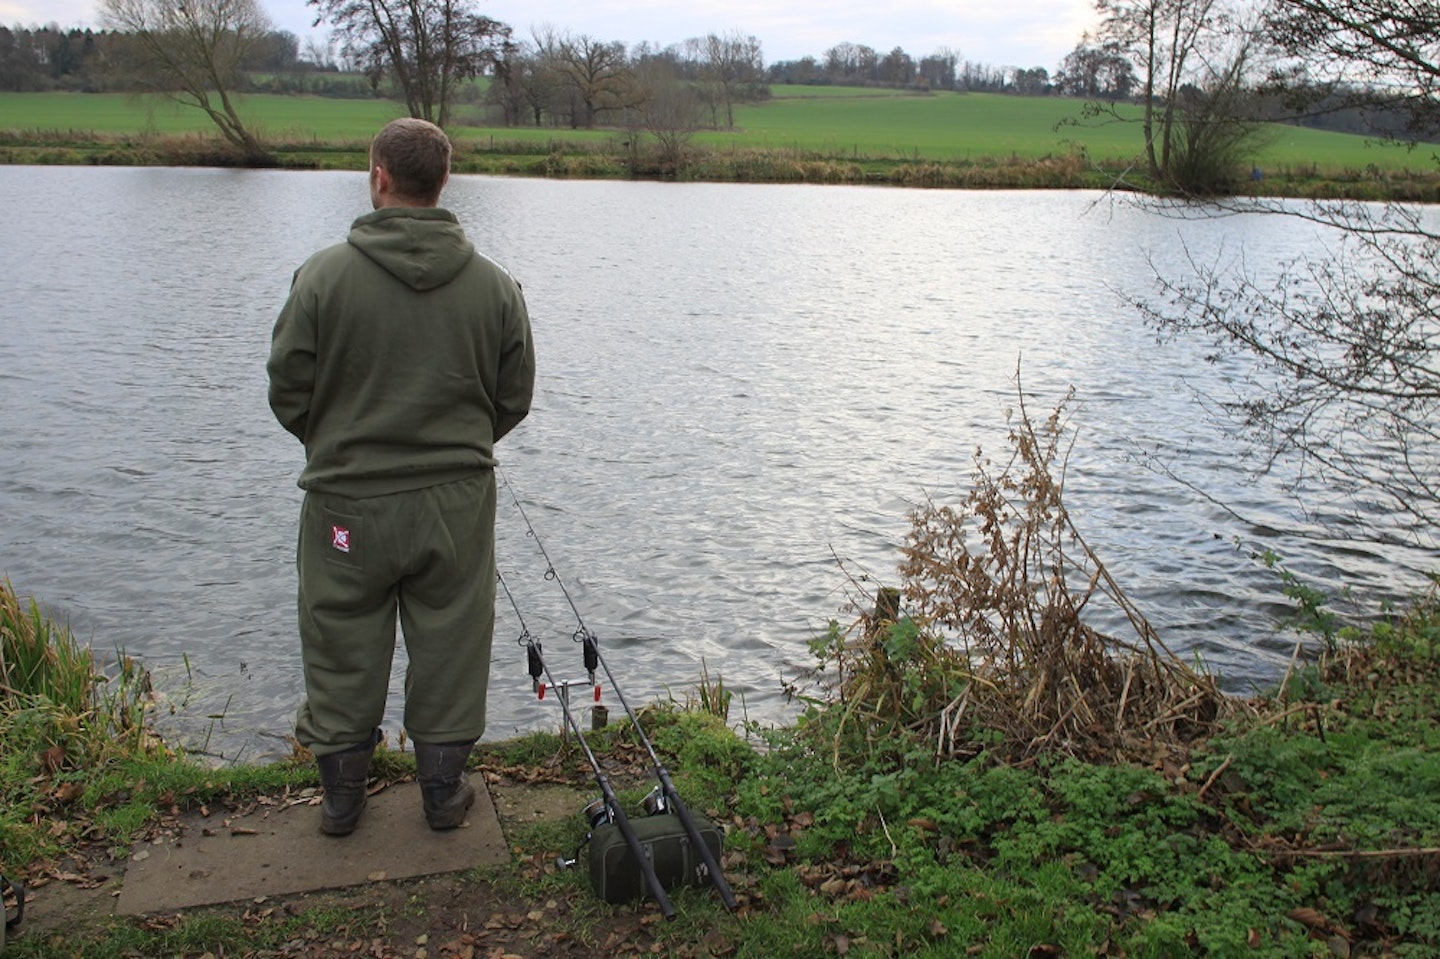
(1309, 918)
(53, 758)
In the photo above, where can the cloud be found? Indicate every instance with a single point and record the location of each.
(30, 13)
(1015, 33)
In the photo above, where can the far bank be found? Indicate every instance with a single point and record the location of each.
(959, 141)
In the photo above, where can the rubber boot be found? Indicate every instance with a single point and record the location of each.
(344, 775)
(444, 787)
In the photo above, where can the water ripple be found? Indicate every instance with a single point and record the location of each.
(738, 384)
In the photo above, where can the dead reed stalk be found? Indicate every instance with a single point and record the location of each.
(998, 589)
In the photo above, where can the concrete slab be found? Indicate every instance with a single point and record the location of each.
(275, 851)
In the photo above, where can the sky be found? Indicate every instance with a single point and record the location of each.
(1015, 33)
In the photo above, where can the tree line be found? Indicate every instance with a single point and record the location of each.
(39, 59)
(1191, 65)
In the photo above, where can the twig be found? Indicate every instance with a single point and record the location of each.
(1124, 695)
(1214, 776)
(1297, 708)
(1412, 852)
(894, 849)
(1289, 670)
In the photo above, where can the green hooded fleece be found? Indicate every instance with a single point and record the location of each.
(400, 357)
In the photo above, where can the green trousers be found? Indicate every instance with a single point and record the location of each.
(426, 557)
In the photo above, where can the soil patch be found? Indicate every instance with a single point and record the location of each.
(455, 914)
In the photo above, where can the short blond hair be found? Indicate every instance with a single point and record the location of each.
(416, 154)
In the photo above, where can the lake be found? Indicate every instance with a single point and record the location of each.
(743, 391)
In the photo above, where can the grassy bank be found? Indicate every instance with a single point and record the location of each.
(828, 135)
(977, 772)
(1305, 826)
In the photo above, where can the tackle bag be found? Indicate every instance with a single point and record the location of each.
(10, 925)
(616, 877)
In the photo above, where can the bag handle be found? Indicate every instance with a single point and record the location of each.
(19, 891)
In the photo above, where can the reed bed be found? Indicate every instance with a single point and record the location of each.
(988, 644)
(59, 699)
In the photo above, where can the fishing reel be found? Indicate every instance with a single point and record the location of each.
(655, 803)
(597, 813)
(664, 848)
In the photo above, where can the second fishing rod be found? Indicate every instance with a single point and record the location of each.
(669, 797)
(612, 810)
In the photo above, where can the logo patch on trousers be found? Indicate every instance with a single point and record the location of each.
(340, 538)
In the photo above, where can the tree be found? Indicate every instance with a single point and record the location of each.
(668, 110)
(1096, 72)
(1192, 57)
(1349, 338)
(851, 63)
(19, 64)
(529, 81)
(1365, 52)
(276, 52)
(427, 47)
(937, 71)
(509, 90)
(193, 51)
(594, 73)
(897, 68)
(731, 70)
(1033, 82)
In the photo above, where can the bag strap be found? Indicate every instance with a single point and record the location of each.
(19, 892)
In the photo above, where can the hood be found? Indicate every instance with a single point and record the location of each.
(422, 247)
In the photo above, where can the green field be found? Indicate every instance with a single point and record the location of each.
(118, 114)
(975, 126)
(831, 121)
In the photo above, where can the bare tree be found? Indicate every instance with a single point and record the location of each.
(595, 75)
(193, 51)
(428, 47)
(1096, 72)
(668, 110)
(1362, 52)
(732, 70)
(1347, 384)
(897, 68)
(938, 69)
(1192, 57)
(532, 74)
(1347, 340)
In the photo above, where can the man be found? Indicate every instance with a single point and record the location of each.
(399, 359)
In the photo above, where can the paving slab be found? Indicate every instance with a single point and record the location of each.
(279, 850)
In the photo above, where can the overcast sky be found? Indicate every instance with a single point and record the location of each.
(1022, 33)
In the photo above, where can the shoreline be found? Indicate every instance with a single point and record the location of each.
(576, 160)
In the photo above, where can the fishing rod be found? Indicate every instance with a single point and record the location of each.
(669, 799)
(612, 803)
